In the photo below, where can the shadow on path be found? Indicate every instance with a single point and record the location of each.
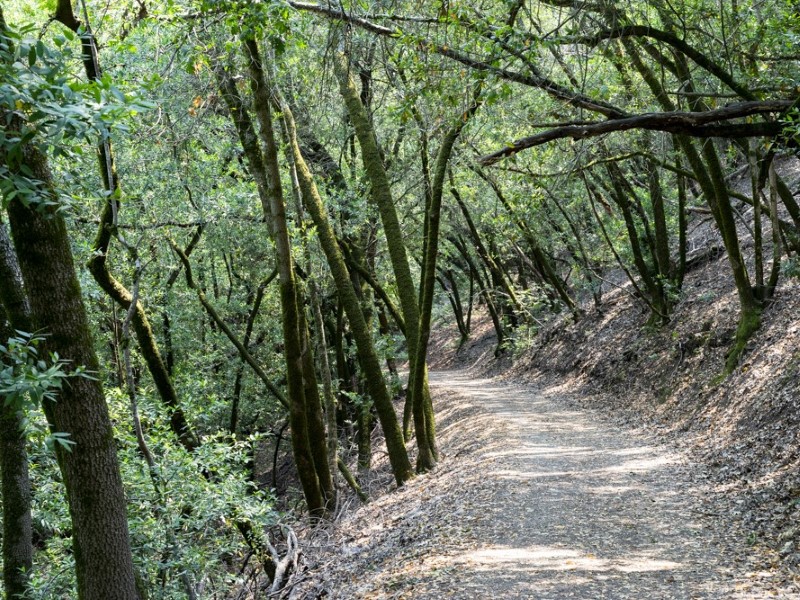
(567, 506)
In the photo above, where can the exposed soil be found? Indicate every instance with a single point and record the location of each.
(537, 497)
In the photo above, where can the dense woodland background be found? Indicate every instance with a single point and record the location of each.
(227, 226)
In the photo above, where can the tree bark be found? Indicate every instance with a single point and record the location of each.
(426, 459)
(381, 194)
(368, 358)
(273, 203)
(16, 485)
(103, 563)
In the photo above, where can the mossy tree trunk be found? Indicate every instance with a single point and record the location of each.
(271, 198)
(16, 485)
(381, 194)
(90, 470)
(319, 491)
(715, 190)
(329, 398)
(708, 173)
(426, 460)
(367, 356)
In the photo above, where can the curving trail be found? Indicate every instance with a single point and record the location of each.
(535, 498)
(570, 506)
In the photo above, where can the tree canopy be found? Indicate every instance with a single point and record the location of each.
(262, 208)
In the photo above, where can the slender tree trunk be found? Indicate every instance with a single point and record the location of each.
(248, 332)
(381, 194)
(514, 306)
(315, 415)
(468, 324)
(329, 399)
(426, 458)
(293, 323)
(16, 485)
(758, 245)
(368, 358)
(654, 295)
(450, 287)
(244, 353)
(682, 221)
(485, 294)
(591, 268)
(548, 272)
(144, 332)
(777, 251)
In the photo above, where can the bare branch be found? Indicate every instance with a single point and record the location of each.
(533, 80)
(697, 124)
(668, 38)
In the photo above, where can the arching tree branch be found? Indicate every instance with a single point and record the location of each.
(668, 38)
(697, 124)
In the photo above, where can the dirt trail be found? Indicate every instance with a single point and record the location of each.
(580, 509)
(536, 498)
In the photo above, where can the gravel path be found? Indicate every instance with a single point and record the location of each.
(570, 506)
(536, 498)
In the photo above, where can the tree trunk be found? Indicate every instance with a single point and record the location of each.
(548, 272)
(485, 294)
(449, 285)
(329, 399)
(368, 358)
(16, 485)
(103, 563)
(296, 374)
(708, 173)
(426, 458)
(513, 305)
(381, 194)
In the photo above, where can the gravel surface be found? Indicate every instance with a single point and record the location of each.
(579, 509)
(538, 498)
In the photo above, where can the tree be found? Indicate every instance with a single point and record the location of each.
(16, 487)
(381, 194)
(366, 351)
(88, 461)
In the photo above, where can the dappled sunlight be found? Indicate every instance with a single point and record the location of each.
(546, 558)
(541, 451)
(643, 464)
(572, 509)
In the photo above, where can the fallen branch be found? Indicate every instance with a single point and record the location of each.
(286, 564)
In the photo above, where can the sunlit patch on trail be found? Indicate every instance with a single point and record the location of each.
(546, 558)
